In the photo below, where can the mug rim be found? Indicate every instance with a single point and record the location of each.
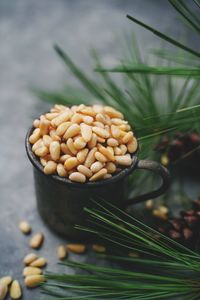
(63, 180)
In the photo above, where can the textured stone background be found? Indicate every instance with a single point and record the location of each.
(28, 29)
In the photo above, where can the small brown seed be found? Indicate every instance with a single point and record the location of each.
(77, 176)
(15, 290)
(81, 155)
(96, 166)
(29, 258)
(100, 157)
(98, 175)
(39, 262)
(72, 131)
(124, 160)
(99, 248)
(36, 241)
(76, 248)
(6, 280)
(25, 227)
(31, 271)
(3, 291)
(71, 163)
(100, 132)
(62, 252)
(84, 170)
(61, 170)
(34, 280)
(86, 132)
(50, 167)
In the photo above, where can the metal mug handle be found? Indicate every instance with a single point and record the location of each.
(158, 169)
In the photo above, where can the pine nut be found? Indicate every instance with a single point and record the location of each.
(64, 157)
(61, 107)
(111, 167)
(98, 175)
(46, 140)
(110, 149)
(84, 170)
(101, 118)
(15, 290)
(100, 132)
(90, 157)
(35, 136)
(44, 126)
(100, 140)
(106, 152)
(3, 291)
(34, 280)
(29, 258)
(61, 170)
(99, 248)
(77, 118)
(112, 142)
(79, 143)
(86, 132)
(115, 131)
(76, 248)
(72, 131)
(25, 227)
(6, 280)
(88, 111)
(64, 117)
(77, 176)
(71, 163)
(127, 137)
(96, 166)
(62, 252)
(31, 271)
(124, 160)
(112, 113)
(70, 145)
(107, 176)
(116, 121)
(62, 128)
(37, 145)
(36, 241)
(98, 124)
(54, 135)
(132, 146)
(92, 143)
(50, 167)
(123, 150)
(51, 116)
(81, 155)
(97, 108)
(39, 262)
(36, 123)
(87, 120)
(42, 150)
(117, 151)
(100, 157)
(54, 150)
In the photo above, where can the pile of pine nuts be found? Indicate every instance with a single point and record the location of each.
(83, 142)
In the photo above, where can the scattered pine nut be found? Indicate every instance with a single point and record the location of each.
(3, 291)
(15, 290)
(31, 271)
(39, 262)
(62, 252)
(6, 280)
(99, 248)
(25, 227)
(34, 280)
(29, 258)
(76, 248)
(36, 241)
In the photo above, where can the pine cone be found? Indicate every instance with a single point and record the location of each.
(184, 229)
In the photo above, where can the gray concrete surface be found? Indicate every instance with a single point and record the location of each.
(28, 29)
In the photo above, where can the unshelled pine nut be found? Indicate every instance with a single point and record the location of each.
(3, 291)
(96, 166)
(25, 227)
(31, 271)
(61, 129)
(84, 170)
(86, 132)
(6, 280)
(77, 176)
(29, 258)
(111, 167)
(62, 252)
(115, 131)
(98, 175)
(76, 248)
(99, 248)
(54, 150)
(100, 132)
(81, 155)
(106, 152)
(35, 136)
(79, 143)
(34, 280)
(72, 131)
(90, 157)
(127, 137)
(132, 146)
(36, 241)
(70, 145)
(124, 160)
(100, 157)
(15, 290)
(50, 167)
(61, 170)
(112, 142)
(71, 163)
(39, 262)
